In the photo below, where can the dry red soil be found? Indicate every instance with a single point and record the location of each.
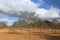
(29, 34)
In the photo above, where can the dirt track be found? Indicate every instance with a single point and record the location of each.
(29, 34)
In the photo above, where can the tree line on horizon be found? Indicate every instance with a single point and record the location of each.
(31, 20)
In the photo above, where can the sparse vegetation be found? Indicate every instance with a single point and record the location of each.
(36, 24)
(3, 25)
(29, 20)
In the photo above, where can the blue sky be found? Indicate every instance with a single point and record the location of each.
(10, 9)
(8, 17)
(48, 3)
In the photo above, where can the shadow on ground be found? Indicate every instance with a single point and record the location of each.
(53, 38)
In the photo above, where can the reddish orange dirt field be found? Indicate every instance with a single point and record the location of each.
(29, 34)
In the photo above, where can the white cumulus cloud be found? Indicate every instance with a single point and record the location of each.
(52, 12)
(11, 6)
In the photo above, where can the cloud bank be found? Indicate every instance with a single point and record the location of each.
(13, 8)
(52, 12)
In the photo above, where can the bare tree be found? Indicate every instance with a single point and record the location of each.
(29, 16)
(26, 18)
